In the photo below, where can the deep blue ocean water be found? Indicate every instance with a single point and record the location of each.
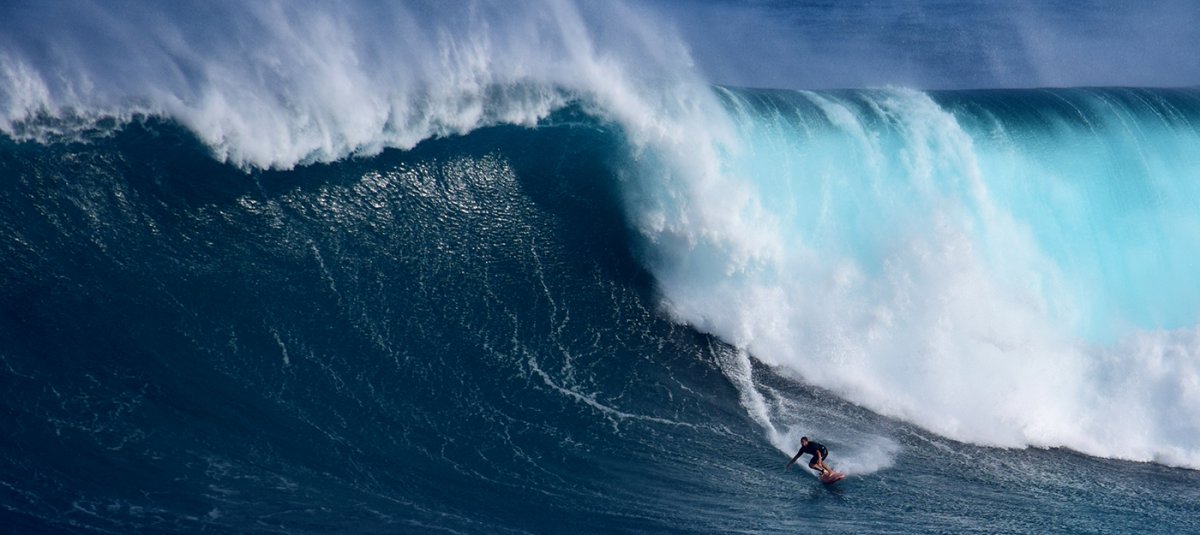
(238, 299)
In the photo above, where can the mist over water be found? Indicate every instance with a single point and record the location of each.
(474, 188)
(941, 44)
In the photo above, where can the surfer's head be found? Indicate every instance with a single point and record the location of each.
(803, 441)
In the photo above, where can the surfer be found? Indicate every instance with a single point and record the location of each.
(818, 452)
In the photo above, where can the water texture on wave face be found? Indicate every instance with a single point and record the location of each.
(521, 268)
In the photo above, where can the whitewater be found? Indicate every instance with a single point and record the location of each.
(285, 267)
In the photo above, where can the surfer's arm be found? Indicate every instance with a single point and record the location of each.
(793, 461)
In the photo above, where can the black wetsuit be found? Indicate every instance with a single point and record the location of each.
(812, 448)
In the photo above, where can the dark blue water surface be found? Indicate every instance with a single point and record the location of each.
(453, 338)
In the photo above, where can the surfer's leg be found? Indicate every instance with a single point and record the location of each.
(819, 466)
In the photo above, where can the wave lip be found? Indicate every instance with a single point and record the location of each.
(273, 85)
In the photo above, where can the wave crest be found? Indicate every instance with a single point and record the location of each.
(276, 84)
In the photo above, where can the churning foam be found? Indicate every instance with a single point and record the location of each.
(873, 245)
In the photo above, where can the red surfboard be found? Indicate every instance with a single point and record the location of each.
(832, 477)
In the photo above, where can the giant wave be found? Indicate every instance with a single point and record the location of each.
(1003, 268)
(1021, 259)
